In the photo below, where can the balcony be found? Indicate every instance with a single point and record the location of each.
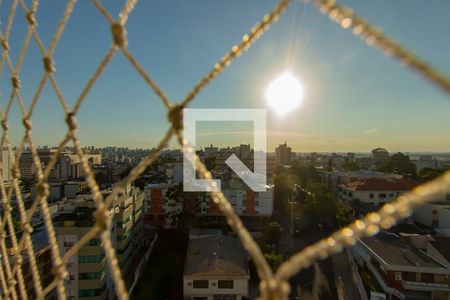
(425, 286)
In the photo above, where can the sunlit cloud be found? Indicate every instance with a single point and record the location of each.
(372, 131)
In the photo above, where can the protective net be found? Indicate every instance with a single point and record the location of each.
(272, 285)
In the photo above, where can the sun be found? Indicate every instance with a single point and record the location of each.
(285, 93)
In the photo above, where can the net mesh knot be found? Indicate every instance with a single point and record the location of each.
(49, 64)
(71, 121)
(175, 116)
(15, 81)
(119, 34)
(31, 18)
(27, 123)
(101, 217)
(5, 45)
(5, 125)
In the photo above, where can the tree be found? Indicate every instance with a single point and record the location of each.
(400, 163)
(272, 233)
(342, 215)
(428, 174)
(319, 201)
(351, 166)
(274, 259)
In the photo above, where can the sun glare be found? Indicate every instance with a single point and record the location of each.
(285, 93)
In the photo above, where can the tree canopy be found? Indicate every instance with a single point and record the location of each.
(400, 163)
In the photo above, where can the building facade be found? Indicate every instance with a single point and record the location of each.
(216, 268)
(283, 154)
(89, 277)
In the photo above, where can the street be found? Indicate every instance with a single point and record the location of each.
(333, 274)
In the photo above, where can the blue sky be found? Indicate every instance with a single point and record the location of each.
(356, 99)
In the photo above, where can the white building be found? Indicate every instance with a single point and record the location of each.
(426, 161)
(335, 178)
(436, 215)
(216, 268)
(376, 191)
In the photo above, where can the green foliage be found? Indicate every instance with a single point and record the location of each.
(319, 201)
(272, 233)
(400, 163)
(428, 174)
(351, 166)
(17, 225)
(342, 215)
(307, 174)
(274, 259)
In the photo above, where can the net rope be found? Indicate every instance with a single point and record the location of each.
(272, 285)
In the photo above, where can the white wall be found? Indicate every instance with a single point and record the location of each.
(364, 196)
(240, 288)
(444, 217)
(424, 215)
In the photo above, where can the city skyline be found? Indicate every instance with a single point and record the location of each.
(356, 98)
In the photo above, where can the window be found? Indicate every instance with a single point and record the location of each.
(391, 194)
(91, 292)
(440, 278)
(201, 284)
(68, 243)
(382, 195)
(90, 276)
(90, 258)
(371, 195)
(93, 242)
(398, 276)
(344, 192)
(226, 284)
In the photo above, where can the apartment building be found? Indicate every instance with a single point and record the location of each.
(216, 268)
(43, 259)
(376, 191)
(406, 266)
(89, 277)
(164, 203)
(283, 154)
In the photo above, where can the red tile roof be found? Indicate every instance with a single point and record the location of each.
(381, 184)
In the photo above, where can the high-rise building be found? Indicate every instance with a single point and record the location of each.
(88, 271)
(379, 156)
(426, 161)
(283, 154)
(6, 165)
(244, 151)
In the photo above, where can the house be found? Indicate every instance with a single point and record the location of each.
(406, 266)
(216, 268)
(376, 191)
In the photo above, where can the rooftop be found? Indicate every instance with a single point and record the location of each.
(381, 184)
(442, 244)
(216, 256)
(393, 251)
